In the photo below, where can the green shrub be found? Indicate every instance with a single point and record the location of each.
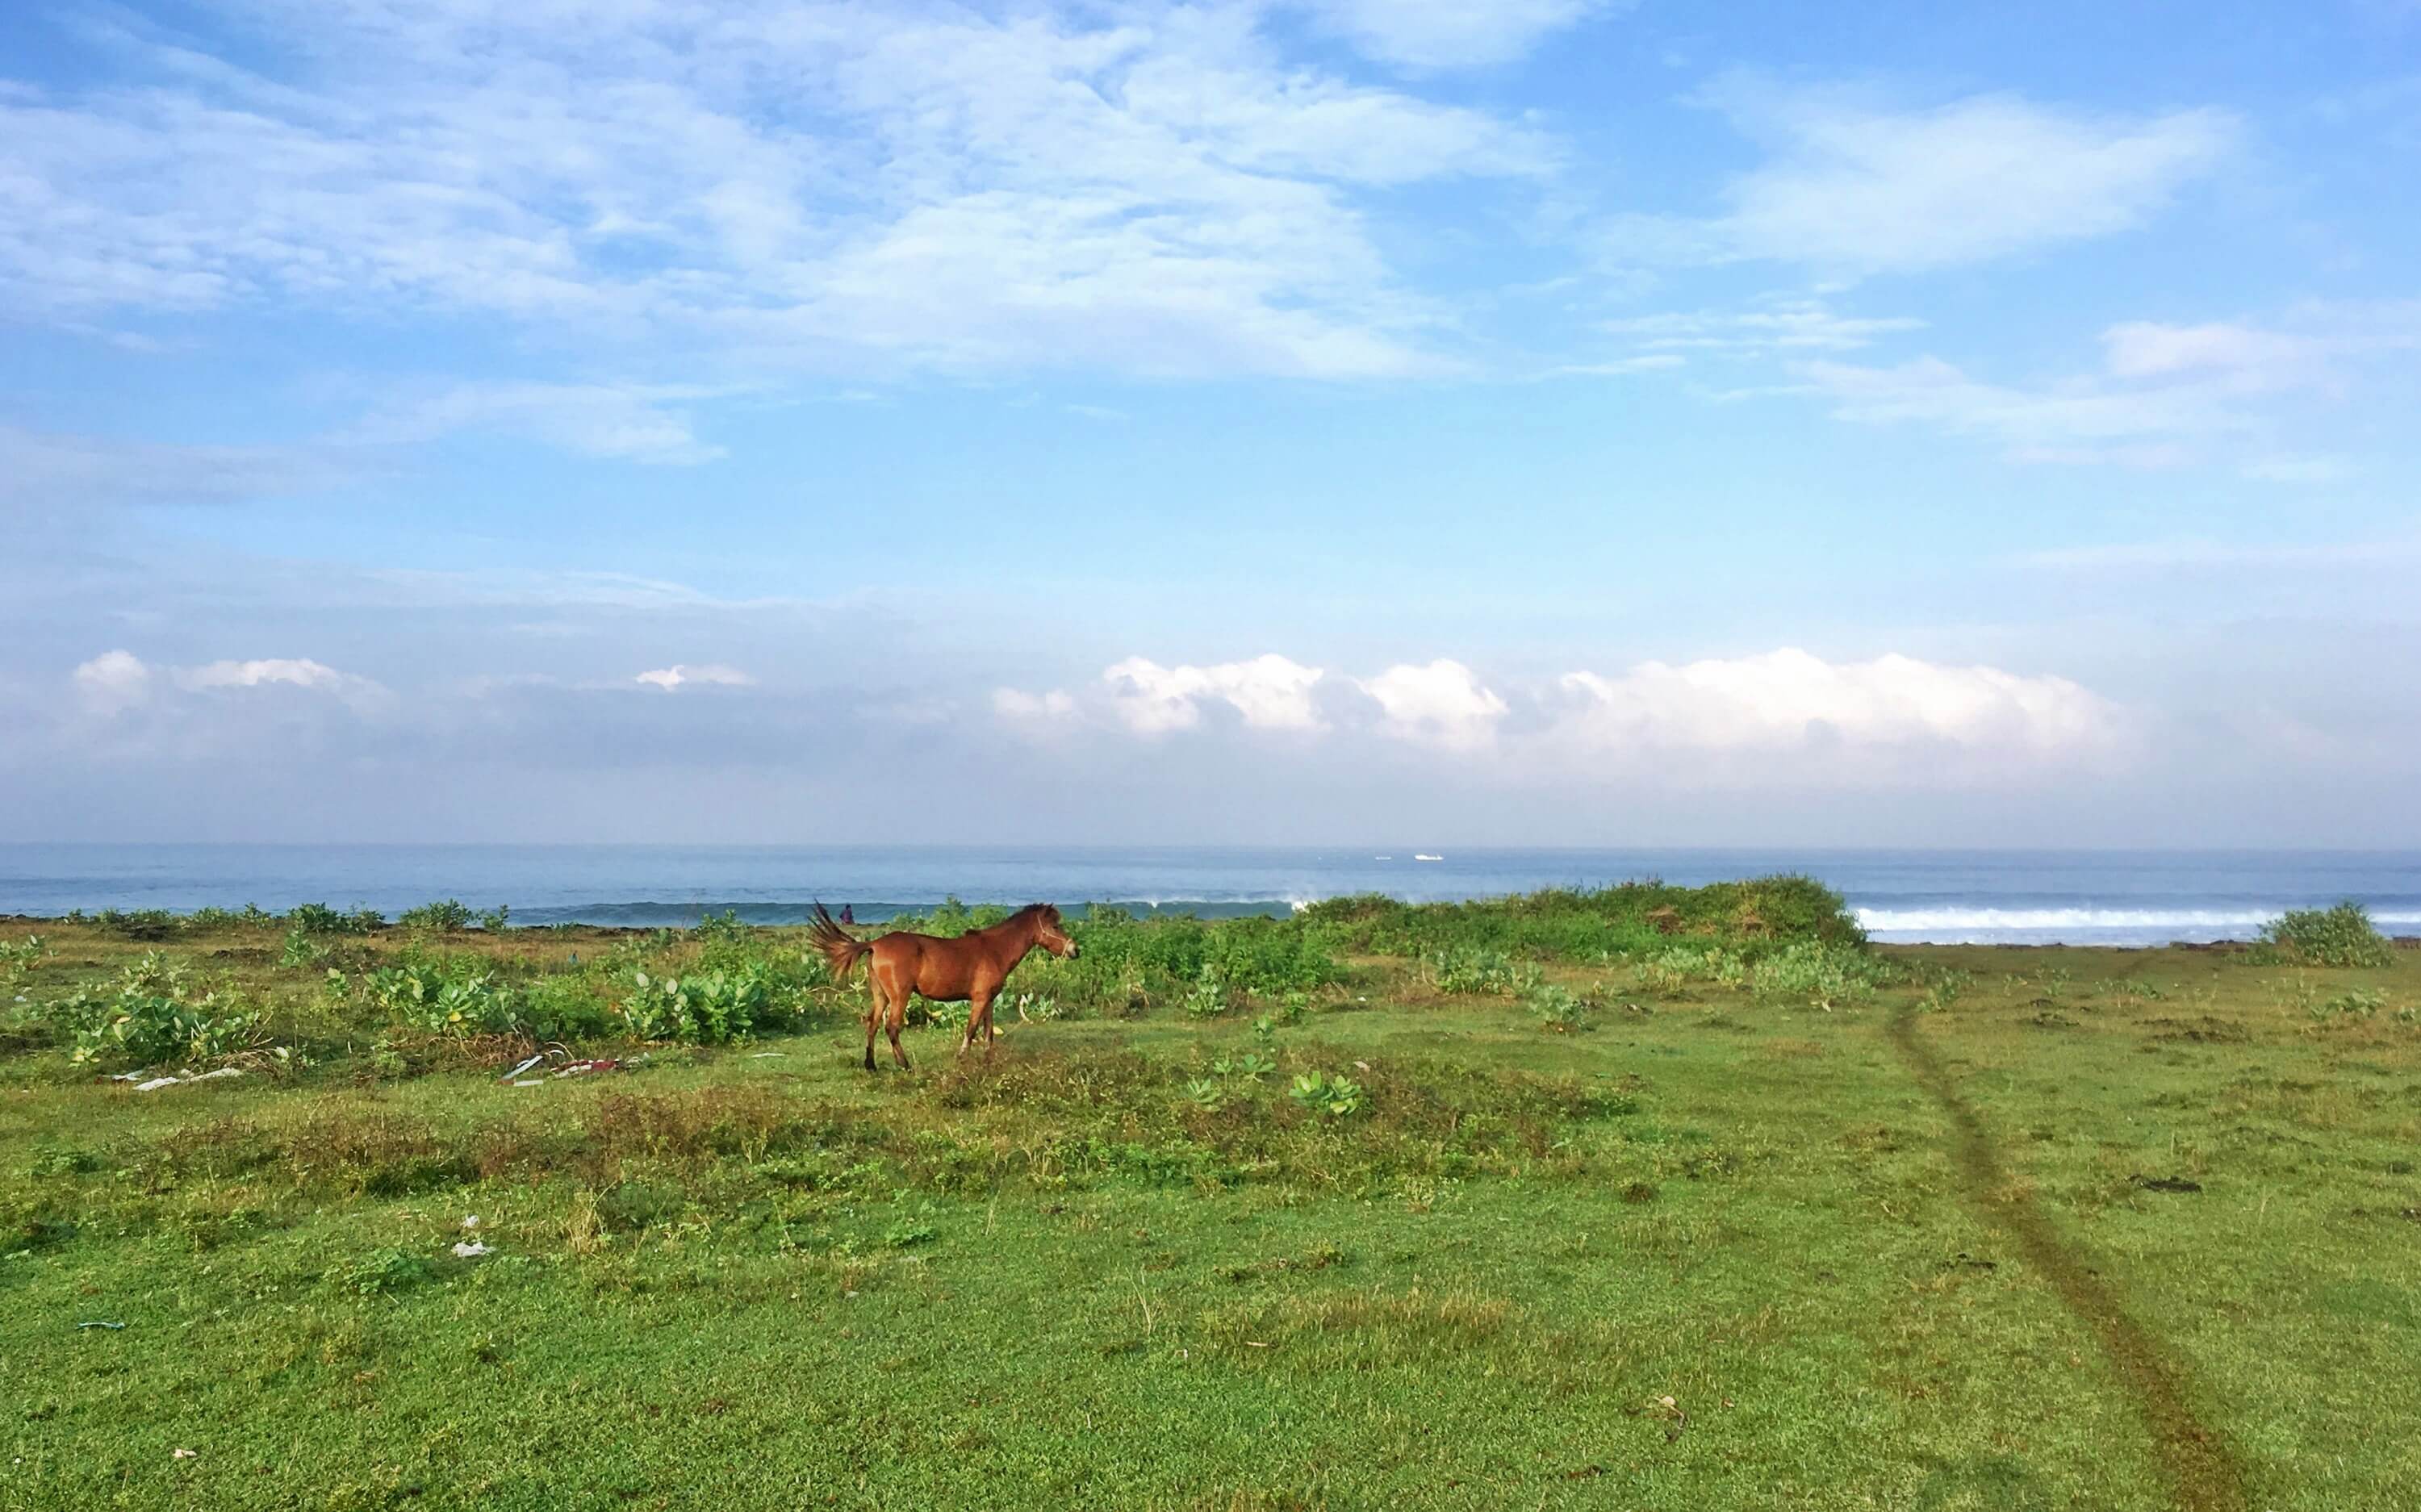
(1206, 998)
(1475, 971)
(459, 1000)
(318, 918)
(447, 916)
(304, 949)
(1624, 921)
(2360, 1002)
(1822, 975)
(1558, 1008)
(138, 923)
(711, 1007)
(565, 1005)
(494, 919)
(155, 1012)
(2339, 936)
(1335, 1096)
(1671, 969)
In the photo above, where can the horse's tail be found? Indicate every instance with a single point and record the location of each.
(840, 951)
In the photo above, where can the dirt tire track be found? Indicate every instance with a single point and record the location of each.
(2202, 1475)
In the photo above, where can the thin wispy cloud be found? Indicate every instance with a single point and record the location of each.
(1855, 186)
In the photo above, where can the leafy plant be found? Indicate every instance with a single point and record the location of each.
(2337, 936)
(155, 1012)
(21, 957)
(494, 919)
(2360, 1002)
(1671, 969)
(1471, 970)
(711, 1007)
(1559, 1008)
(422, 994)
(137, 924)
(1206, 998)
(448, 915)
(387, 1270)
(318, 918)
(1824, 976)
(1336, 1097)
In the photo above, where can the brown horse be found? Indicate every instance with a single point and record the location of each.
(968, 970)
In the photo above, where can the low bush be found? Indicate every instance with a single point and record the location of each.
(155, 1012)
(447, 916)
(2337, 936)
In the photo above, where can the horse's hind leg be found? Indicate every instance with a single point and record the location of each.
(873, 1014)
(899, 1018)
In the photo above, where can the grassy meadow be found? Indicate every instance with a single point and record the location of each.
(1644, 1198)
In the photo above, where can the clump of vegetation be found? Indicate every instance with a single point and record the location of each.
(141, 924)
(2360, 1002)
(1822, 975)
(1479, 972)
(1624, 921)
(17, 958)
(427, 995)
(155, 1012)
(447, 916)
(712, 1007)
(2338, 937)
(1327, 1093)
(1558, 1008)
(320, 919)
(1206, 997)
(1673, 969)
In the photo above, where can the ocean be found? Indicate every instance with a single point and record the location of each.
(2110, 897)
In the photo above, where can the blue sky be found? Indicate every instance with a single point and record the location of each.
(1542, 422)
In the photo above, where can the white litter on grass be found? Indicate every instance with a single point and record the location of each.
(471, 1222)
(469, 1250)
(158, 1081)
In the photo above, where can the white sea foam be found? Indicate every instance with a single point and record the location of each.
(1952, 922)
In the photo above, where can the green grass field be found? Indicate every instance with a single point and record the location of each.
(1587, 1223)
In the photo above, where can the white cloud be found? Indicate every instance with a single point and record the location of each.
(2147, 348)
(625, 423)
(299, 672)
(1016, 704)
(1854, 187)
(2164, 395)
(2073, 421)
(1795, 325)
(1787, 700)
(1270, 691)
(1443, 34)
(1443, 704)
(112, 682)
(680, 675)
(860, 188)
(116, 682)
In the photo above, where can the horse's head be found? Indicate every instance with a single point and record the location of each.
(1047, 934)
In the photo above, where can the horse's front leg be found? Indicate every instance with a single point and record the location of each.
(979, 1015)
